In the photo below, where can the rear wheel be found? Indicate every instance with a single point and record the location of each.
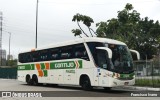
(34, 80)
(86, 85)
(28, 80)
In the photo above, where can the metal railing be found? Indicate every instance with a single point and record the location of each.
(147, 73)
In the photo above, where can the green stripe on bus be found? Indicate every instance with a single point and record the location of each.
(127, 75)
(26, 67)
(54, 65)
(32, 65)
(80, 63)
(45, 73)
(42, 66)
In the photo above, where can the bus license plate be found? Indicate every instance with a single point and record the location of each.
(126, 83)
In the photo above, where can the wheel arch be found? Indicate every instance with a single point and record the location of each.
(82, 77)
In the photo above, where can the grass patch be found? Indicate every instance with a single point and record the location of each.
(148, 82)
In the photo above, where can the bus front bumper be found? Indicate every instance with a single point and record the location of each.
(117, 82)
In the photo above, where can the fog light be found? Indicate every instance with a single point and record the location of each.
(126, 83)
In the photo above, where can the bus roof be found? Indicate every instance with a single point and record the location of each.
(106, 40)
(81, 40)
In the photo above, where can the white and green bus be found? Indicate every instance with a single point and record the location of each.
(87, 62)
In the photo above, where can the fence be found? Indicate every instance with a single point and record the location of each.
(147, 73)
(9, 73)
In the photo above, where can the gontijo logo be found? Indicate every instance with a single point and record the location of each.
(66, 64)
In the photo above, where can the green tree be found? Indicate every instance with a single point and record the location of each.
(77, 32)
(149, 37)
(87, 21)
(138, 33)
(12, 63)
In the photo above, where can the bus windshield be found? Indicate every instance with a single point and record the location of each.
(121, 59)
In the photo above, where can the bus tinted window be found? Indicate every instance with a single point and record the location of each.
(55, 54)
(44, 55)
(21, 58)
(25, 57)
(34, 56)
(92, 46)
(80, 52)
(65, 52)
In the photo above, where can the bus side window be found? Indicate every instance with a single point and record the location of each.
(66, 52)
(28, 57)
(42, 55)
(54, 54)
(21, 58)
(80, 52)
(34, 56)
(25, 57)
(65, 55)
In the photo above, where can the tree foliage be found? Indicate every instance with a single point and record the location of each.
(138, 33)
(87, 21)
(12, 63)
(141, 34)
(77, 32)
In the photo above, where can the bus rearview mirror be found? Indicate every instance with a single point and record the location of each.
(109, 51)
(136, 52)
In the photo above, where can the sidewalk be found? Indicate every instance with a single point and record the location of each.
(141, 88)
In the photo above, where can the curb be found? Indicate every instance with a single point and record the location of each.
(142, 88)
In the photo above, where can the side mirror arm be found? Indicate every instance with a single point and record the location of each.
(137, 53)
(107, 49)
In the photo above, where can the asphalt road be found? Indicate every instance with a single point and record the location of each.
(68, 92)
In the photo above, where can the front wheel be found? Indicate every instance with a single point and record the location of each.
(86, 85)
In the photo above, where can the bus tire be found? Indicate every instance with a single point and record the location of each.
(34, 80)
(28, 79)
(85, 83)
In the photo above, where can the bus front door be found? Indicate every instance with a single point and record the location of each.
(102, 66)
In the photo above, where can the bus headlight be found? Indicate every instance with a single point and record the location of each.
(116, 75)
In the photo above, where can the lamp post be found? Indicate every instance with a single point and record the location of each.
(36, 23)
(9, 44)
(1, 18)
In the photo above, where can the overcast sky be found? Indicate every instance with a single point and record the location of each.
(55, 19)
